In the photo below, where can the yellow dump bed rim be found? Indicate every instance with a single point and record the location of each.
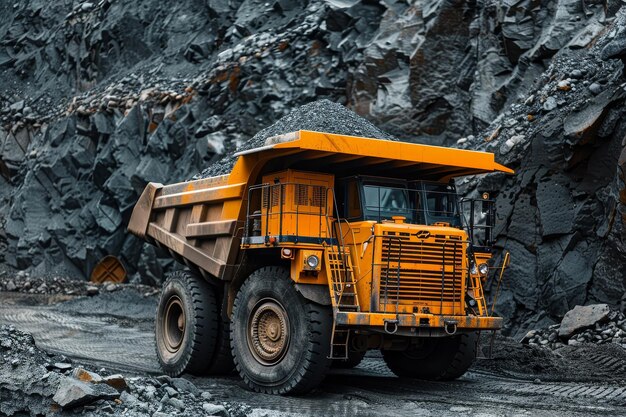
(377, 151)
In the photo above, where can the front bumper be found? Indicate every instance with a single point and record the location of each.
(417, 320)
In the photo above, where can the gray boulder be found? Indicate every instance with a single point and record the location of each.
(215, 410)
(581, 317)
(73, 393)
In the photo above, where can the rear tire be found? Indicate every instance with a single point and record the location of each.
(222, 362)
(186, 324)
(439, 359)
(280, 340)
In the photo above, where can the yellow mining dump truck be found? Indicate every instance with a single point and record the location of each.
(315, 248)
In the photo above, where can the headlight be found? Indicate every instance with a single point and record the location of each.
(473, 269)
(312, 261)
(483, 269)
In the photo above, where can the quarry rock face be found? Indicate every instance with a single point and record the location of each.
(562, 215)
(100, 98)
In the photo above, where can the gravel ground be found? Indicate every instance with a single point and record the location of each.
(37, 383)
(123, 303)
(520, 379)
(598, 363)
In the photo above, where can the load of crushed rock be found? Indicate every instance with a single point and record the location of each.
(597, 324)
(36, 383)
(320, 116)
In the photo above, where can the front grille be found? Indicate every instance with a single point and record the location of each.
(411, 270)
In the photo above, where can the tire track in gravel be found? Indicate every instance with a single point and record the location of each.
(97, 339)
(365, 391)
(608, 362)
(613, 394)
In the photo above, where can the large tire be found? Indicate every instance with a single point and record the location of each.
(355, 357)
(280, 340)
(439, 359)
(222, 361)
(187, 324)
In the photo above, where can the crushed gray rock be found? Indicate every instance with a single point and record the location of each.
(550, 104)
(319, 116)
(25, 282)
(215, 410)
(595, 88)
(183, 385)
(27, 387)
(594, 324)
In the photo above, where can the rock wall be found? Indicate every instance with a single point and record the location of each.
(562, 216)
(97, 98)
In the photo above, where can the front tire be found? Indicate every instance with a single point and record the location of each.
(438, 359)
(280, 341)
(187, 323)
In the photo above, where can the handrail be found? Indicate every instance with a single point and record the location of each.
(340, 247)
(471, 227)
(399, 261)
(268, 203)
(505, 264)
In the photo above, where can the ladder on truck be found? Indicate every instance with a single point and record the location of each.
(479, 295)
(343, 295)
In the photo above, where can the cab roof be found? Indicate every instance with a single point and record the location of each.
(347, 155)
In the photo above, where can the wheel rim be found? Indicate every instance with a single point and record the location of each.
(268, 332)
(174, 324)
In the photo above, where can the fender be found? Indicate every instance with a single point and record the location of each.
(317, 293)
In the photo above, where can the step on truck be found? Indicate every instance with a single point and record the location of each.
(316, 248)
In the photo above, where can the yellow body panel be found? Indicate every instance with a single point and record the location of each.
(296, 204)
(397, 151)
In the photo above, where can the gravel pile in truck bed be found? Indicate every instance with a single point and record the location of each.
(321, 116)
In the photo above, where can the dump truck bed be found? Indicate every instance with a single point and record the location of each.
(195, 221)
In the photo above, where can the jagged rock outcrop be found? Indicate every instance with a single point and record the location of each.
(100, 97)
(562, 215)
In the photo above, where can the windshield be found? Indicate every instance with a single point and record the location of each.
(386, 201)
(441, 204)
(440, 201)
(419, 202)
